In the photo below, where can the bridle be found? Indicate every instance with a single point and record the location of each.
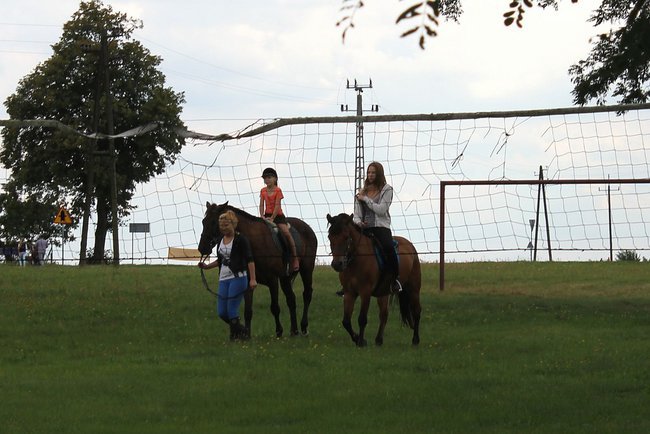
(350, 248)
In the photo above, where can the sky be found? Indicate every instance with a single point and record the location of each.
(241, 61)
(238, 62)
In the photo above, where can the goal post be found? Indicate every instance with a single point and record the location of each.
(444, 201)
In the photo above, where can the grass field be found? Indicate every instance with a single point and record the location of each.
(506, 348)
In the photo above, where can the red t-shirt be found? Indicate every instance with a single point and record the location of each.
(271, 199)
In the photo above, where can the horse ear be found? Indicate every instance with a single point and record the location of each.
(329, 218)
(207, 204)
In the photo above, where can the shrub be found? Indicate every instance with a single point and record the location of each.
(628, 255)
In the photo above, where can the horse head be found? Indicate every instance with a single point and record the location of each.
(210, 222)
(340, 235)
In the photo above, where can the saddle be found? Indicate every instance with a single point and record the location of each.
(281, 243)
(383, 286)
(380, 254)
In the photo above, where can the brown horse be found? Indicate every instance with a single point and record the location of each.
(354, 258)
(270, 265)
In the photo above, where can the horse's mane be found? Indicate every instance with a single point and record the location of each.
(239, 212)
(242, 213)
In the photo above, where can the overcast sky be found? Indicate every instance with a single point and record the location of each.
(285, 58)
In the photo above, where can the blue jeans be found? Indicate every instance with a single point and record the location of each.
(230, 294)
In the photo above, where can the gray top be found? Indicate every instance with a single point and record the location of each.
(374, 212)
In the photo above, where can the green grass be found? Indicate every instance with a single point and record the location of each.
(506, 348)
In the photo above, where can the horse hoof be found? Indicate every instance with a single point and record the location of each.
(294, 333)
(379, 342)
(362, 343)
(416, 342)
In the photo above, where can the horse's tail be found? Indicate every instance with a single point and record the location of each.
(405, 310)
(411, 285)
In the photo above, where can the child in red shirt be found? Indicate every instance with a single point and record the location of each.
(271, 209)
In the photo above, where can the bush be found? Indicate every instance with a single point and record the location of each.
(106, 259)
(628, 255)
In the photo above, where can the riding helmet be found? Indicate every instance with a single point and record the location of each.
(269, 171)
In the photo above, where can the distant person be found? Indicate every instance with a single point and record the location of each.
(22, 252)
(8, 252)
(33, 254)
(236, 273)
(41, 248)
(371, 213)
(271, 209)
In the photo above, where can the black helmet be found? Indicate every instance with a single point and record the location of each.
(269, 171)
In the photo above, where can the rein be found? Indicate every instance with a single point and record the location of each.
(349, 250)
(213, 242)
(205, 281)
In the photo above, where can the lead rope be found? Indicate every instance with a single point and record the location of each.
(207, 287)
(205, 281)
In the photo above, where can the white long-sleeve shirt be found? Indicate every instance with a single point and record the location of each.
(374, 212)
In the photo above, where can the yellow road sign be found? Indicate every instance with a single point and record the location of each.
(63, 217)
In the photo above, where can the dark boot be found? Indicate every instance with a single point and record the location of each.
(233, 330)
(238, 331)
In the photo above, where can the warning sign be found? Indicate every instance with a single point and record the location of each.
(63, 217)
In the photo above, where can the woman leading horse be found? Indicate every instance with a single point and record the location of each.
(270, 261)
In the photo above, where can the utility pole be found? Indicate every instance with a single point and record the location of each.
(111, 152)
(90, 152)
(609, 209)
(359, 169)
(92, 149)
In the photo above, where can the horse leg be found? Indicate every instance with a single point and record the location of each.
(248, 310)
(363, 319)
(348, 308)
(275, 306)
(285, 283)
(306, 276)
(382, 303)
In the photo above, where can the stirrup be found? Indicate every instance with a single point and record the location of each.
(396, 287)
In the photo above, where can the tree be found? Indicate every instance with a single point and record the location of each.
(617, 66)
(48, 166)
(619, 61)
(24, 219)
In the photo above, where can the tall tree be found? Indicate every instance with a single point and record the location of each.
(619, 62)
(49, 166)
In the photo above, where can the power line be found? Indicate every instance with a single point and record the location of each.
(22, 41)
(233, 71)
(23, 52)
(30, 25)
(244, 88)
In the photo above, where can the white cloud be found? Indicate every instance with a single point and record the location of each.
(285, 58)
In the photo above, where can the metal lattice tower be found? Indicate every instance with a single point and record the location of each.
(359, 163)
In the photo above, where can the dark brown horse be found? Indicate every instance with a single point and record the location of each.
(270, 264)
(354, 258)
